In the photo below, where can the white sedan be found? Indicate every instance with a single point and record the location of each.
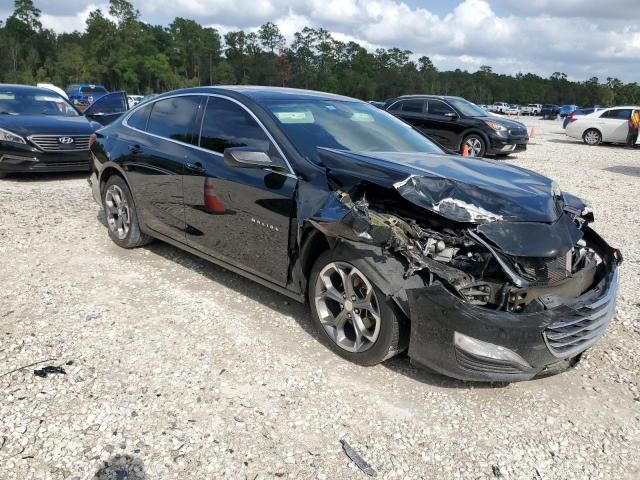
(610, 125)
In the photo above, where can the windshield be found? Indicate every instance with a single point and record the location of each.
(467, 108)
(343, 125)
(35, 103)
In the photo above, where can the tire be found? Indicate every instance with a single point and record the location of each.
(120, 212)
(385, 336)
(476, 144)
(592, 137)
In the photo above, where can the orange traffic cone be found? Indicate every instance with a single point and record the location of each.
(465, 150)
(212, 202)
(533, 133)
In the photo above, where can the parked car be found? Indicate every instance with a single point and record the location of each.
(84, 94)
(41, 131)
(576, 113)
(610, 125)
(513, 109)
(550, 112)
(454, 122)
(532, 109)
(133, 100)
(484, 270)
(566, 110)
(499, 107)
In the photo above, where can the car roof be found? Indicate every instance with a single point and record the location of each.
(26, 89)
(421, 96)
(259, 93)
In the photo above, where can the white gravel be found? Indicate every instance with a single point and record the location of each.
(180, 369)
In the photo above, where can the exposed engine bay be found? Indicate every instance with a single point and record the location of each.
(484, 263)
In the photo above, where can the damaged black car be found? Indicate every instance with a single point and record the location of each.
(480, 269)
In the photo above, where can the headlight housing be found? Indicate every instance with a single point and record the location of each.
(496, 126)
(7, 136)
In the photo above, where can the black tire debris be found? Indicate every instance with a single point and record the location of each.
(360, 462)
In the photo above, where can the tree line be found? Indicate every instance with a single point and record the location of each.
(123, 52)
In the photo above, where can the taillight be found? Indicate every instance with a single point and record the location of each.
(92, 140)
(572, 118)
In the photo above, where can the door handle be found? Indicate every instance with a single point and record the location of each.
(196, 168)
(135, 149)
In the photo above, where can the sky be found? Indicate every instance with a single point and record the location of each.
(582, 38)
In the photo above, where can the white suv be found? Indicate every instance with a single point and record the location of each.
(499, 107)
(532, 109)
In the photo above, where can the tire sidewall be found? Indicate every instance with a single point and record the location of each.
(389, 340)
(125, 242)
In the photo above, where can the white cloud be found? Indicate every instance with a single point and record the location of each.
(579, 37)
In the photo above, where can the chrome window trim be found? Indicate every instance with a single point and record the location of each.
(125, 122)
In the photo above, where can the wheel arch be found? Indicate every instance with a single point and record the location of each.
(473, 130)
(596, 129)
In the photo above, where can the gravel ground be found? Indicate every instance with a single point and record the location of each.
(176, 368)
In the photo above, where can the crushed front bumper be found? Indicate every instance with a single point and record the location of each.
(474, 343)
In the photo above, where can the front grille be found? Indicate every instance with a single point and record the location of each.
(571, 336)
(52, 143)
(544, 270)
(518, 132)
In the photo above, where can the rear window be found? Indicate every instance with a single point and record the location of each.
(174, 118)
(412, 106)
(139, 118)
(92, 90)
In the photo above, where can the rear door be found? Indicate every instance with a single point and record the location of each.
(614, 124)
(158, 142)
(239, 215)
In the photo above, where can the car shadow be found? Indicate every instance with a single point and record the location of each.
(299, 312)
(121, 467)
(44, 177)
(624, 170)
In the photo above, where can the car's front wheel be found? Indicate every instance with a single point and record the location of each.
(475, 145)
(121, 215)
(592, 137)
(350, 312)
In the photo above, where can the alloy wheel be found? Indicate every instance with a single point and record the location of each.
(592, 137)
(347, 307)
(475, 146)
(118, 211)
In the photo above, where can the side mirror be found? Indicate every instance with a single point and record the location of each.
(247, 157)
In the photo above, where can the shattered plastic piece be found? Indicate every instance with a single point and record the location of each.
(358, 460)
(43, 372)
(496, 471)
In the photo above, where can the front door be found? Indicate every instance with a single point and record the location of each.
(442, 123)
(239, 215)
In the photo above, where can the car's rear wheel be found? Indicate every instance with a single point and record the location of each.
(120, 212)
(592, 137)
(351, 314)
(475, 144)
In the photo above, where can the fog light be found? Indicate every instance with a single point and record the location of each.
(487, 350)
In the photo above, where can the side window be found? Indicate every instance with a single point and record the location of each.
(412, 106)
(437, 107)
(139, 118)
(620, 114)
(174, 118)
(228, 125)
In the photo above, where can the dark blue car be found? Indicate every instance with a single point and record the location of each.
(84, 94)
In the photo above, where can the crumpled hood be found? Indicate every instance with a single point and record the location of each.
(461, 189)
(26, 125)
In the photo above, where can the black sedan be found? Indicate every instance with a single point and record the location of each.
(40, 131)
(483, 271)
(454, 123)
